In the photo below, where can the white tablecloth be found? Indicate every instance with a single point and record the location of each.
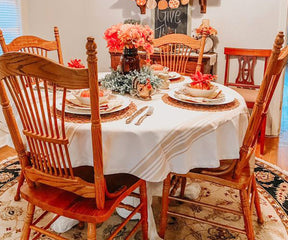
(171, 140)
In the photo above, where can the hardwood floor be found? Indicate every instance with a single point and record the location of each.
(6, 152)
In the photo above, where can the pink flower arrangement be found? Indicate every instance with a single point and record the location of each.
(122, 36)
(75, 63)
(207, 30)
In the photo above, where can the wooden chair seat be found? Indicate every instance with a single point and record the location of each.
(226, 179)
(72, 205)
(249, 95)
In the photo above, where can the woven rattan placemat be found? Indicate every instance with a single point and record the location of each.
(197, 107)
(70, 117)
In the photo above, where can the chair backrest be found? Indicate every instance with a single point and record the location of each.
(33, 44)
(247, 59)
(276, 63)
(47, 158)
(175, 50)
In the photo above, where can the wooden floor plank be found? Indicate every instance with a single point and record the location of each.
(6, 152)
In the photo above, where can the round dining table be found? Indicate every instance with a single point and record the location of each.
(177, 137)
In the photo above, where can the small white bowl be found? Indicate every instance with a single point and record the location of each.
(86, 100)
(196, 92)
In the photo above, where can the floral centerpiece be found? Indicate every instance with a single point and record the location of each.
(137, 83)
(129, 38)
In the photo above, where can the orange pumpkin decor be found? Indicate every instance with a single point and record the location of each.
(85, 93)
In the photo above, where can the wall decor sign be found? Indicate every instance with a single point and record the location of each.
(171, 20)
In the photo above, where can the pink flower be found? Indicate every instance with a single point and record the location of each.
(129, 36)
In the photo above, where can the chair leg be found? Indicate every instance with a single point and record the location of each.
(257, 202)
(262, 135)
(183, 186)
(28, 221)
(91, 231)
(247, 214)
(20, 183)
(165, 203)
(144, 211)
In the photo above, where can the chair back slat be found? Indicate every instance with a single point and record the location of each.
(275, 65)
(247, 60)
(42, 113)
(34, 105)
(33, 44)
(175, 50)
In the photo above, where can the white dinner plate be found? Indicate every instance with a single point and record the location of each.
(174, 75)
(226, 98)
(86, 111)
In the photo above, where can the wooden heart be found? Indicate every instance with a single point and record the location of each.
(184, 2)
(141, 2)
(162, 4)
(174, 4)
(151, 4)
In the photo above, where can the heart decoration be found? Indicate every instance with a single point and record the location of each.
(141, 2)
(174, 4)
(184, 2)
(151, 4)
(162, 4)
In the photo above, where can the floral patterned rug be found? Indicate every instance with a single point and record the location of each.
(272, 185)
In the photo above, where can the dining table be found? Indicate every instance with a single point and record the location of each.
(177, 137)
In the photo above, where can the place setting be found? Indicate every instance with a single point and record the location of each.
(167, 76)
(112, 106)
(201, 94)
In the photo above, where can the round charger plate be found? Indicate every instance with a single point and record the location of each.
(227, 99)
(83, 111)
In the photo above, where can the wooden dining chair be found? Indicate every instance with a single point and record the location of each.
(51, 183)
(33, 44)
(36, 45)
(175, 50)
(243, 80)
(235, 173)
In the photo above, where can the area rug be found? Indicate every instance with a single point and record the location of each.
(272, 186)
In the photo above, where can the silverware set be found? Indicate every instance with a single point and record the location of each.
(148, 113)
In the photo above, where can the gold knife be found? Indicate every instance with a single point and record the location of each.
(137, 113)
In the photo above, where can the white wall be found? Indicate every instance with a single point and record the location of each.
(240, 23)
